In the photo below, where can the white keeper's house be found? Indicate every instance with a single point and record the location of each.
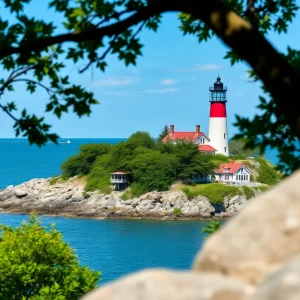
(233, 172)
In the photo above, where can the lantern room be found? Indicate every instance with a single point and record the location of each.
(218, 91)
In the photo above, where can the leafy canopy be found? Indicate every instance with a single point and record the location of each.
(33, 53)
(152, 165)
(37, 264)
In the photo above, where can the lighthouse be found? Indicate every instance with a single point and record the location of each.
(217, 117)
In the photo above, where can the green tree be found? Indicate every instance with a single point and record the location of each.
(152, 171)
(37, 264)
(81, 163)
(33, 52)
(238, 147)
(164, 132)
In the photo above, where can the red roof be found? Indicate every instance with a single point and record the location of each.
(187, 136)
(206, 148)
(231, 168)
(119, 173)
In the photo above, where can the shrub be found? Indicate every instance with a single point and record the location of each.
(249, 193)
(211, 227)
(177, 212)
(37, 264)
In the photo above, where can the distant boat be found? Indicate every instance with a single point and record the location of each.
(68, 142)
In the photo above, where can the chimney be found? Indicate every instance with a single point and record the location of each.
(232, 161)
(198, 128)
(171, 129)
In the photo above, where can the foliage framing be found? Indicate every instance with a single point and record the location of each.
(32, 53)
(36, 264)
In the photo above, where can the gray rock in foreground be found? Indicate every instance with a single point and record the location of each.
(68, 199)
(170, 285)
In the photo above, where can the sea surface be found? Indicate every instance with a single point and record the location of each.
(115, 247)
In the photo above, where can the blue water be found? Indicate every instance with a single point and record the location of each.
(115, 247)
(119, 247)
(21, 162)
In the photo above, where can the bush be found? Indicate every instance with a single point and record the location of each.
(214, 192)
(177, 212)
(267, 172)
(82, 163)
(37, 264)
(211, 227)
(249, 193)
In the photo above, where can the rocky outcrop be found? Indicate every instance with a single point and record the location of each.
(255, 256)
(69, 199)
(171, 285)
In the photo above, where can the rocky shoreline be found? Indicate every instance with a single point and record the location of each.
(69, 199)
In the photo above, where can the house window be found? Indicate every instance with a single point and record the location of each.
(224, 136)
(226, 177)
(245, 177)
(225, 149)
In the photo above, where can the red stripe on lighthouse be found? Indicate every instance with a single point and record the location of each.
(217, 110)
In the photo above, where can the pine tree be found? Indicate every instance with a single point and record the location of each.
(164, 132)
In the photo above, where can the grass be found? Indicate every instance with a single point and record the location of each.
(262, 188)
(214, 192)
(177, 212)
(249, 193)
(267, 172)
(54, 180)
(127, 195)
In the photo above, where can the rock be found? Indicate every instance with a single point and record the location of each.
(283, 284)
(20, 193)
(162, 284)
(193, 212)
(259, 238)
(77, 197)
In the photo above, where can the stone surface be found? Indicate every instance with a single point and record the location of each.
(259, 238)
(20, 193)
(283, 284)
(68, 199)
(162, 284)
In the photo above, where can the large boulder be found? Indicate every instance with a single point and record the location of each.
(259, 238)
(170, 285)
(283, 284)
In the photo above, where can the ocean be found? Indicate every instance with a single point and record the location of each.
(114, 247)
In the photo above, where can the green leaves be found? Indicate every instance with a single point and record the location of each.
(37, 264)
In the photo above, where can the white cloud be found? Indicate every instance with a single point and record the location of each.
(162, 91)
(203, 68)
(118, 93)
(116, 81)
(168, 82)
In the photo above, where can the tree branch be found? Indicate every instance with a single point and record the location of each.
(278, 76)
(92, 34)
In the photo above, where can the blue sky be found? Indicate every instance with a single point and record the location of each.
(169, 85)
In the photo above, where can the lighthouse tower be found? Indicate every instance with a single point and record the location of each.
(217, 118)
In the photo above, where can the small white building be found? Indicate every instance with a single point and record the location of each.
(119, 179)
(236, 173)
